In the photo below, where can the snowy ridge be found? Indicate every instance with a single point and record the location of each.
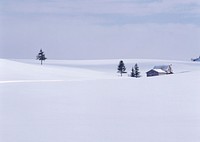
(110, 65)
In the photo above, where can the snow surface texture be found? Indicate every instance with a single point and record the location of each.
(87, 101)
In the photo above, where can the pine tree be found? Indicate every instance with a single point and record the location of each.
(137, 73)
(41, 56)
(132, 72)
(121, 67)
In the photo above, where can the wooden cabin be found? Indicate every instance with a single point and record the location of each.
(160, 70)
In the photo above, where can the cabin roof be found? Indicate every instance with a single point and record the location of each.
(157, 70)
(163, 67)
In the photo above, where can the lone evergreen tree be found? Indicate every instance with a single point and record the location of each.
(132, 72)
(121, 67)
(137, 73)
(41, 56)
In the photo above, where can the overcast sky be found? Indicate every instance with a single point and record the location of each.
(97, 29)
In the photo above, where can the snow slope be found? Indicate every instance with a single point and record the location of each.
(87, 101)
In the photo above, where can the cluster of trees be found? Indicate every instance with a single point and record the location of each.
(134, 72)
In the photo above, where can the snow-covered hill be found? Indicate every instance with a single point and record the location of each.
(87, 101)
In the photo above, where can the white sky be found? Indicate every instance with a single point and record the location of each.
(97, 29)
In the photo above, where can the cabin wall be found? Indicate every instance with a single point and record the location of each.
(152, 73)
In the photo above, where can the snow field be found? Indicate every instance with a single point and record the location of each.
(92, 103)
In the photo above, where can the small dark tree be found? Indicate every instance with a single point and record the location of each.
(132, 72)
(121, 67)
(137, 73)
(41, 56)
